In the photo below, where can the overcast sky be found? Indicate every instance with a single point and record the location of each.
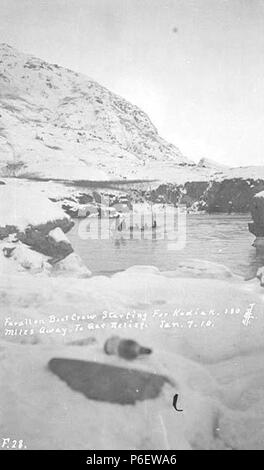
(195, 66)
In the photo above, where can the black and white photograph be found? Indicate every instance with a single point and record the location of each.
(131, 226)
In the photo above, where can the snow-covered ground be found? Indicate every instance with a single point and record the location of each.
(23, 205)
(217, 367)
(247, 172)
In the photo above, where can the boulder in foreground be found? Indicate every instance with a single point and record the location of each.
(257, 212)
(260, 276)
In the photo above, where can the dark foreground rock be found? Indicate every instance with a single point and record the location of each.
(257, 212)
(257, 228)
(108, 383)
(260, 276)
(64, 224)
(39, 239)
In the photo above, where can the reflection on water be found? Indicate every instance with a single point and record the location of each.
(219, 238)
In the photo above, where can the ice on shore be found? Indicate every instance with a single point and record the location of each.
(21, 208)
(71, 266)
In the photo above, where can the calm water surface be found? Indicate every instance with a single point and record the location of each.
(219, 238)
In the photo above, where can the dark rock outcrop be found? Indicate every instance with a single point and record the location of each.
(7, 230)
(257, 212)
(166, 193)
(38, 238)
(69, 210)
(225, 196)
(84, 198)
(232, 194)
(260, 276)
(229, 195)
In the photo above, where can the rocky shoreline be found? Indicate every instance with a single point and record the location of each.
(60, 207)
(32, 233)
(226, 196)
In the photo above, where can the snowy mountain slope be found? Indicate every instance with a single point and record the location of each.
(56, 123)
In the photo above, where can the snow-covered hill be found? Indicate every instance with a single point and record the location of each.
(56, 123)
